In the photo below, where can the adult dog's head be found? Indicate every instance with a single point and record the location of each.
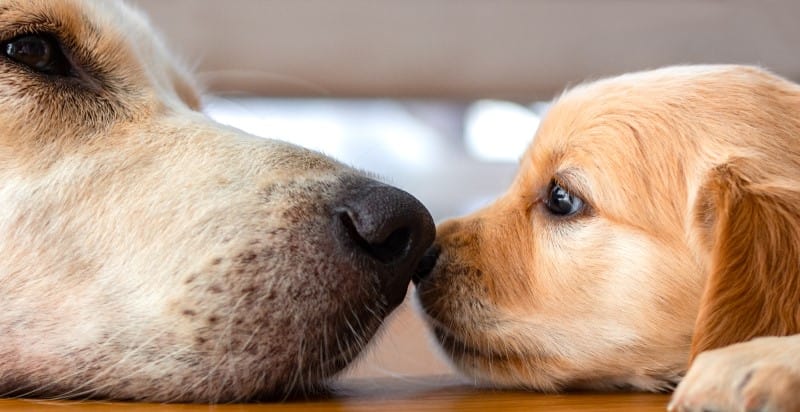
(149, 253)
(646, 203)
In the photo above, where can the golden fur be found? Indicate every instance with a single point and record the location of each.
(148, 253)
(688, 240)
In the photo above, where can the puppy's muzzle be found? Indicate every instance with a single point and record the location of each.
(389, 230)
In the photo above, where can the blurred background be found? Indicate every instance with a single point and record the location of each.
(440, 97)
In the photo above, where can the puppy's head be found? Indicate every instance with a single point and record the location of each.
(149, 253)
(589, 271)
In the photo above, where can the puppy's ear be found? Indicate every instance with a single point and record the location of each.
(749, 224)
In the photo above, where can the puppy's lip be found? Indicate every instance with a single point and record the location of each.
(458, 347)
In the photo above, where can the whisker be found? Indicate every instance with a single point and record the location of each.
(79, 390)
(55, 383)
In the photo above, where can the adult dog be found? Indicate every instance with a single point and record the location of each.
(655, 216)
(148, 253)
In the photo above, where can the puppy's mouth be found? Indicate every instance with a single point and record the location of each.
(458, 348)
(453, 343)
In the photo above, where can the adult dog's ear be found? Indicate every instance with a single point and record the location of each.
(749, 224)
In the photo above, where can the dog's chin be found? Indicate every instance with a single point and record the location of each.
(247, 371)
(486, 364)
(495, 362)
(466, 352)
(317, 345)
(339, 344)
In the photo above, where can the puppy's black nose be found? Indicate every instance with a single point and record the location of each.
(388, 228)
(426, 264)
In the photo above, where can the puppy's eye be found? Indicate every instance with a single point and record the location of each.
(561, 202)
(40, 52)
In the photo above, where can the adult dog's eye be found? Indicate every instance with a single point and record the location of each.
(40, 52)
(561, 202)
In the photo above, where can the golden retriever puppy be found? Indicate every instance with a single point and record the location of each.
(148, 253)
(656, 215)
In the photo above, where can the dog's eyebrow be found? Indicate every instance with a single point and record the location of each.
(61, 22)
(574, 181)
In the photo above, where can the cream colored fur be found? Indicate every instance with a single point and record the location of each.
(147, 252)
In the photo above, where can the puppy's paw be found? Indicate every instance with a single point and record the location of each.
(760, 375)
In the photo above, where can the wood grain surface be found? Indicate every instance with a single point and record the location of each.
(432, 393)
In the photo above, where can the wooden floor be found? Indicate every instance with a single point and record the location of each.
(390, 394)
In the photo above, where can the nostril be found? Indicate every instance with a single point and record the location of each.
(388, 250)
(426, 264)
(394, 247)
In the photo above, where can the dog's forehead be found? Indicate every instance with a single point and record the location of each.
(637, 119)
(625, 143)
(650, 123)
(90, 21)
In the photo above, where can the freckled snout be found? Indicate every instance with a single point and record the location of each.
(388, 230)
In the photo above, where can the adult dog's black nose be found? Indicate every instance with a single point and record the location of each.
(390, 229)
